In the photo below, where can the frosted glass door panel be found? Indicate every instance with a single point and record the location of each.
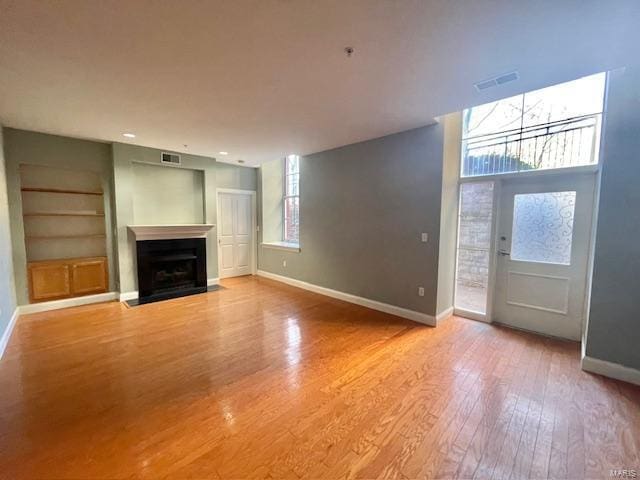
(543, 227)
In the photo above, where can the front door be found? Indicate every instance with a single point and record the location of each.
(235, 234)
(543, 235)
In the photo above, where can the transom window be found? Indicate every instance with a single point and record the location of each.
(556, 127)
(291, 201)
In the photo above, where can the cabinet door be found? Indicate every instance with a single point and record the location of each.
(89, 276)
(49, 281)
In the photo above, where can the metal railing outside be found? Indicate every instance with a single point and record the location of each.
(561, 144)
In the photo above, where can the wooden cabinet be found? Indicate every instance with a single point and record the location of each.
(74, 277)
(49, 280)
(89, 276)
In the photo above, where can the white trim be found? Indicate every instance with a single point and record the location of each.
(213, 281)
(286, 246)
(254, 224)
(470, 314)
(565, 311)
(493, 255)
(124, 296)
(442, 316)
(611, 370)
(169, 232)
(347, 297)
(67, 302)
(486, 317)
(235, 190)
(6, 335)
(582, 169)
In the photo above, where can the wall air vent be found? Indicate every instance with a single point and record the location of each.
(495, 81)
(170, 158)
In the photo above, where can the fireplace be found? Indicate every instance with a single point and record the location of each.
(171, 268)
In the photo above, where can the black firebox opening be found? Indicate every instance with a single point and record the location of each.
(171, 268)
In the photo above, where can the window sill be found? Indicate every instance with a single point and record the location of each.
(289, 247)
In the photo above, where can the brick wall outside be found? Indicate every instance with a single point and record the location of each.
(475, 234)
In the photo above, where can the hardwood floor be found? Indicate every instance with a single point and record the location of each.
(264, 380)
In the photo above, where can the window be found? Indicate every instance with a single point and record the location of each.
(556, 127)
(474, 246)
(543, 227)
(291, 200)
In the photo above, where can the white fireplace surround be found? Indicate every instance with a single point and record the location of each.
(169, 232)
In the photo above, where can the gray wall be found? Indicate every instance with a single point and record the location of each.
(613, 328)
(7, 287)
(23, 147)
(363, 208)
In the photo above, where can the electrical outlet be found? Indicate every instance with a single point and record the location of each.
(284, 263)
(421, 291)
(425, 237)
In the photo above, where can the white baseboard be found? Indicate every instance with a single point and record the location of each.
(124, 296)
(347, 297)
(441, 317)
(67, 302)
(6, 335)
(213, 281)
(480, 317)
(611, 370)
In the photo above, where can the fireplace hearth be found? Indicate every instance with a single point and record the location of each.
(171, 268)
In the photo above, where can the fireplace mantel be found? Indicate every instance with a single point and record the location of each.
(168, 232)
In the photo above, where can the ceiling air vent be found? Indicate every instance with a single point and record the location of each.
(495, 81)
(171, 158)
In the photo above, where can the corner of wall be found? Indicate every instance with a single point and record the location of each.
(8, 301)
(449, 213)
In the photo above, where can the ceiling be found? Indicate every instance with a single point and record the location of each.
(264, 78)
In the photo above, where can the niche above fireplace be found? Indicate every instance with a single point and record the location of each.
(172, 260)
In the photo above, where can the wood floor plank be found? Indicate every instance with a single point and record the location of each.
(264, 380)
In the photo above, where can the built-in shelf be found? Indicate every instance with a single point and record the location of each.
(62, 237)
(60, 190)
(63, 214)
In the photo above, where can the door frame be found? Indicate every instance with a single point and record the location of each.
(498, 181)
(487, 316)
(592, 174)
(254, 225)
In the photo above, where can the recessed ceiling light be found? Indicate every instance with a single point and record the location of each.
(223, 153)
(129, 135)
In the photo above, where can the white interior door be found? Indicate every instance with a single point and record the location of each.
(543, 235)
(235, 234)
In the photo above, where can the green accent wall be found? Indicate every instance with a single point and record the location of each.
(132, 188)
(24, 147)
(7, 286)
